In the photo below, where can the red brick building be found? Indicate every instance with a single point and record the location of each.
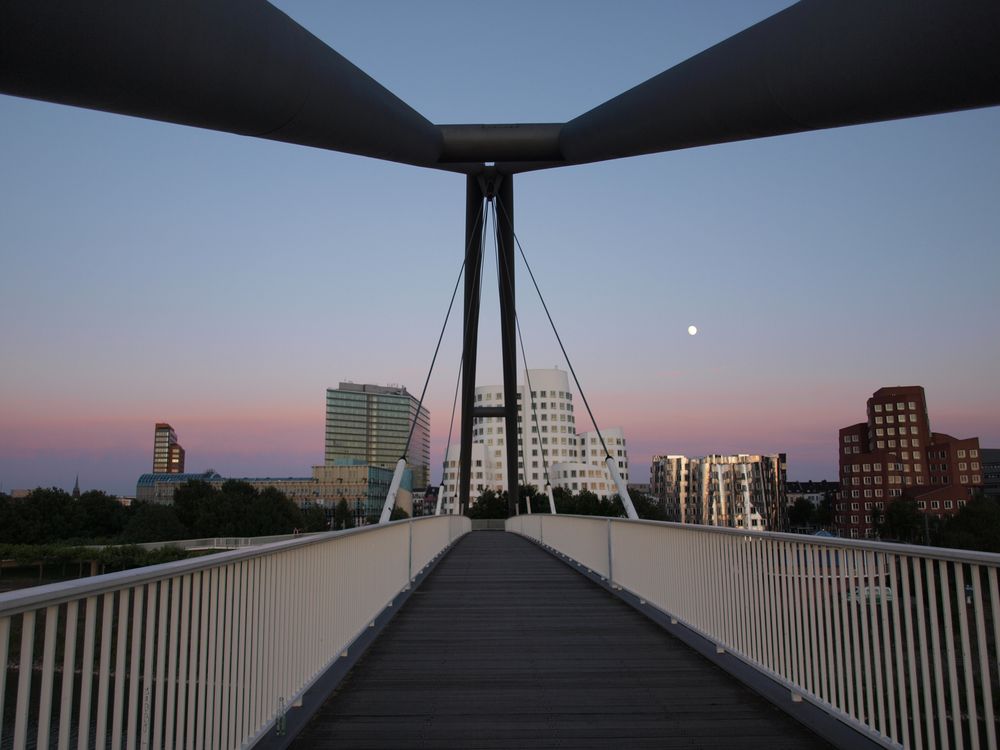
(895, 455)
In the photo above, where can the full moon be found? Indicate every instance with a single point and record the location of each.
(692, 330)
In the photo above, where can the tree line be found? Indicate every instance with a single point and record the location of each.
(493, 504)
(200, 509)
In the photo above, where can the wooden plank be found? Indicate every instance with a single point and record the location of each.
(505, 647)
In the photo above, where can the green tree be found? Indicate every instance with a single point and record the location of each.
(101, 516)
(902, 521)
(343, 518)
(261, 513)
(47, 515)
(646, 507)
(153, 522)
(802, 513)
(528, 493)
(490, 504)
(314, 519)
(824, 514)
(976, 526)
(197, 507)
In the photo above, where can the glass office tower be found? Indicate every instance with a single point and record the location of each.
(371, 423)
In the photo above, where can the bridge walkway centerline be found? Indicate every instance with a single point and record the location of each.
(503, 646)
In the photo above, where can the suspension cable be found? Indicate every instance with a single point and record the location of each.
(427, 380)
(451, 424)
(556, 332)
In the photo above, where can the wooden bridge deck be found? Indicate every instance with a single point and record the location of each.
(504, 646)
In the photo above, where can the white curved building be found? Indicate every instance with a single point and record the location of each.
(574, 461)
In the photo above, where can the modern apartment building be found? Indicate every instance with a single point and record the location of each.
(574, 461)
(168, 455)
(370, 423)
(738, 491)
(895, 455)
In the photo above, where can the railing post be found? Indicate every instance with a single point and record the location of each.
(610, 553)
(409, 568)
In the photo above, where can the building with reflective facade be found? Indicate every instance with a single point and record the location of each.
(370, 423)
(737, 491)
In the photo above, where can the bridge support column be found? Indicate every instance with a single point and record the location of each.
(508, 332)
(491, 186)
(474, 216)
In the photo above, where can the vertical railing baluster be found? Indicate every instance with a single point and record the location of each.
(161, 667)
(902, 686)
(984, 659)
(170, 713)
(885, 562)
(206, 667)
(955, 726)
(134, 706)
(963, 629)
(229, 595)
(48, 676)
(87, 673)
(118, 709)
(4, 651)
(918, 594)
(69, 670)
(935, 647)
(185, 651)
(104, 668)
(24, 679)
(864, 617)
(149, 653)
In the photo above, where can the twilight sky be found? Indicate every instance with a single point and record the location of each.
(153, 272)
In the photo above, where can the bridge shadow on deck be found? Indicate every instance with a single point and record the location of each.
(503, 646)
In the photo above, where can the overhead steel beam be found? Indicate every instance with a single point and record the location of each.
(818, 64)
(243, 66)
(240, 66)
(496, 143)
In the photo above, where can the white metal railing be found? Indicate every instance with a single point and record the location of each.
(899, 641)
(201, 653)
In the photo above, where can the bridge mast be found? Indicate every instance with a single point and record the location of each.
(489, 186)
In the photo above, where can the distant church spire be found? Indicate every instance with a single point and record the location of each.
(76, 487)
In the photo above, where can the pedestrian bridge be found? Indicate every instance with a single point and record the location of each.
(560, 631)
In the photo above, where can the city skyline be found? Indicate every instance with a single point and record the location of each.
(159, 273)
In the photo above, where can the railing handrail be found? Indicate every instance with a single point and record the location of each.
(896, 641)
(51, 594)
(871, 545)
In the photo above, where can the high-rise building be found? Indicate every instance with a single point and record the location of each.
(168, 456)
(739, 491)
(573, 461)
(895, 455)
(370, 423)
